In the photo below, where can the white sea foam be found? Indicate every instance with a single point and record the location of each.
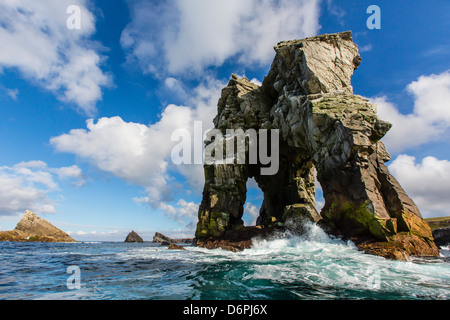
(314, 260)
(313, 265)
(319, 260)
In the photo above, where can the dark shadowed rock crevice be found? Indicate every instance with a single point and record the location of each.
(308, 100)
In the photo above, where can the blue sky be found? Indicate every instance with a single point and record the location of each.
(87, 114)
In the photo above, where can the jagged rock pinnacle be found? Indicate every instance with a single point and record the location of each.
(323, 127)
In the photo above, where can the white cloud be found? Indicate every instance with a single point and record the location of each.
(185, 212)
(35, 40)
(141, 154)
(182, 36)
(177, 87)
(256, 81)
(119, 147)
(252, 212)
(73, 172)
(432, 98)
(25, 186)
(427, 183)
(407, 130)
(366, 48)
(429, 120)
(13, 93)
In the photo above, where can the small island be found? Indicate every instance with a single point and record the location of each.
(133, 237)
(32, 228)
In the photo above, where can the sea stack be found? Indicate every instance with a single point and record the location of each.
(35, 229)
(165, 240)
(133, 237)
(322, 127)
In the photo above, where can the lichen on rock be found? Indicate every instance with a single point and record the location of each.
(307, 97)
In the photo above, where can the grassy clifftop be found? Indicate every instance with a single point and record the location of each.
(439, 222)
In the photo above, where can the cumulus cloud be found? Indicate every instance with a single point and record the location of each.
(193, 35)
(432, 97)
(35, 40)
(426, 182)
(73, 173)
(251, 214)
(141, 154)
(184, 213)
(26, 185)
(429, 120)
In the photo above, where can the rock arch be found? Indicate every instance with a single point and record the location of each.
(308, 98)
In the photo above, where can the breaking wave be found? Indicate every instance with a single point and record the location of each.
(311, 266)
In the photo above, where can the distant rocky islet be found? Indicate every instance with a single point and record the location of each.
(134, 237)
(32, 228)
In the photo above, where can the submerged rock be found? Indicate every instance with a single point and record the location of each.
(307, 99)
(35, 229)
(401, 247)
(133, 237)
(173, 246)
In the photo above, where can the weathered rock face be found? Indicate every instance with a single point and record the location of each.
(160, 238)
(133, 237)
(442, 236)
(33, 228)
(163, 239)
(307, 96)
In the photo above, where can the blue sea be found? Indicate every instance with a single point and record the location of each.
(313, 266)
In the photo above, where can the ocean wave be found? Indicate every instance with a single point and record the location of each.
(313, 265)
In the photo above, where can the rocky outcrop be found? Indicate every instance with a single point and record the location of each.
(173, 246)
(165, 240)
(440, 228)
(35, 229)
(442, 236)
(133, 237)
(160, 238)
(308, 101)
